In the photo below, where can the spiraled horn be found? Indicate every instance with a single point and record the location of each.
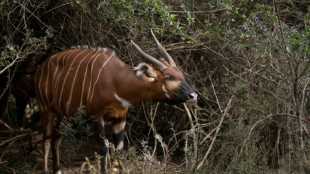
(163, 51)
(156, 62)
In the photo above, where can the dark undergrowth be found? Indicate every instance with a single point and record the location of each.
(247, 60)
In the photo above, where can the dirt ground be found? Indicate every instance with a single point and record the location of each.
(20, 158)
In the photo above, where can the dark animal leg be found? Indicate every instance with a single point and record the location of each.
(103, 145)
(47, 125)
(55, 142)
(118, 136)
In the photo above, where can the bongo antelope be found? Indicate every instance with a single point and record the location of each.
(98, 80)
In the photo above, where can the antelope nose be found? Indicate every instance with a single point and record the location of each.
(192, 97)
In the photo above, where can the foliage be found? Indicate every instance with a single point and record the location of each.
(73, 131)
(248, 60)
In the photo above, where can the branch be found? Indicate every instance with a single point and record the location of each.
(6, 125)
(11, 64)
(217, 100)
(192, 129)
(216, 132)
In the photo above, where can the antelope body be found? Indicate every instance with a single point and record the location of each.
(98, 80)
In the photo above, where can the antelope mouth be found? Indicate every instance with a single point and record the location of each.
(192, 98)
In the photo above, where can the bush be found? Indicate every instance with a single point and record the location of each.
(248, 61)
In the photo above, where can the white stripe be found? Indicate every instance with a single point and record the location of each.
(70, 96)
(120, 146)
(40, 89)
(58, 78)
(165, 90)
(39, 101)
(91, 74)
(47, 79)
(62, 69)
(41, 105)
(85, 74)
(98, 77)
(102, 121)
(102, 137)
(64, 81)
(117, 128)
(124, 102)
(56, 70)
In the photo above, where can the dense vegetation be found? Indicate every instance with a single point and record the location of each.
(248, 61)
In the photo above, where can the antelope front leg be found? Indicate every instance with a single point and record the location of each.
(103, 145)
(56, 140)
(118, 135)
(46, 150)
(47, 125)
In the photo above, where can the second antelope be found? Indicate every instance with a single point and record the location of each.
(98, 80)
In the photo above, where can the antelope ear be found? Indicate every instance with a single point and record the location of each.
(145, 72)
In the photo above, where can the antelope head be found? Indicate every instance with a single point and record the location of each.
(166, 74)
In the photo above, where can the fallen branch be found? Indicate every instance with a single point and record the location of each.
(13, 139)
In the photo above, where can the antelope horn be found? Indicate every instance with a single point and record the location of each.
(159, 64)
(163, 51)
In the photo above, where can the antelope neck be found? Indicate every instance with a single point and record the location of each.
(134, 90)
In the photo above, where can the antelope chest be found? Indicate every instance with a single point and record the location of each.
(115, 112)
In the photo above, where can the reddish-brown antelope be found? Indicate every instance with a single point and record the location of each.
(98, 80)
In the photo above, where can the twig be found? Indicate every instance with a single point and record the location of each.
(13, 139)
(207, 136)
(301, 139)
(195, 139)
(217, 100)
(26, 9)
(216, 132)
(8, 83)
(6, 125)
(11, 64)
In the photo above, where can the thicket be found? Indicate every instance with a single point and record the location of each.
(248, 61)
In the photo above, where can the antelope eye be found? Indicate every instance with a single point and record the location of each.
(168, 77)
(150, 76)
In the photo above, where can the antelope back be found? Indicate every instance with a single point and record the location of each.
(69, 79)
